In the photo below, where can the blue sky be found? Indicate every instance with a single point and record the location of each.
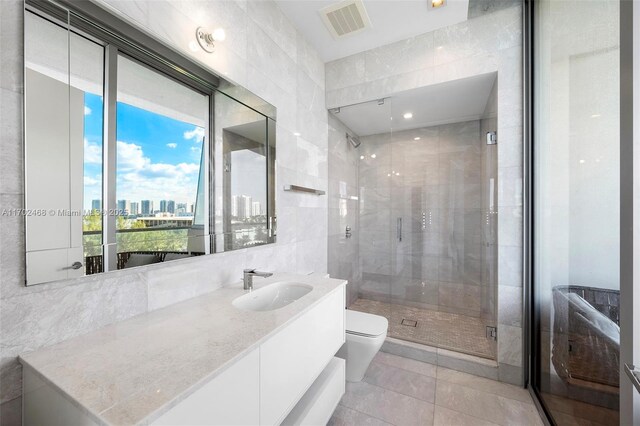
(158, 157)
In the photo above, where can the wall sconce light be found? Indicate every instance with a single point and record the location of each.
(435, 4)
(207, 39)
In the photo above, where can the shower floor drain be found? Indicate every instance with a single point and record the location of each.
(409, 323)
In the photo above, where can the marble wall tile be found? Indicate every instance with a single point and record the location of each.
(510, 186)
(511, 147)
(510, 266)
(275, 24)
(11, 156)
(310, 94)
(11, 45)
(510, 345)
(510, 226)
(270, 58)
(345, 72)
(401, 57)
(510, 306)
(309, 61)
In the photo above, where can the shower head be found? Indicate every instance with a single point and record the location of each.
(353, 140)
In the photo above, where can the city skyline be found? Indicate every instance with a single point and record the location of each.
(158, 160)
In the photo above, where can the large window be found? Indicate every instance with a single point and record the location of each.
(576, 216)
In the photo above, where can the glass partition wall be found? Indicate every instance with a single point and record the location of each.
(427, 223)
(576, 210)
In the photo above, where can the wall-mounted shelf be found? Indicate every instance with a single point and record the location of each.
(297, 188)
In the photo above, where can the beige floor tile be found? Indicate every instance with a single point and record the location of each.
(408, 364)
(402, 381)
(487, 406)
(344, 416)
(446, 417)
(484, 385)
(390, 406)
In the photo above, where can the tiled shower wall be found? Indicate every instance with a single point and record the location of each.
(487, 43)
(436, 185)
(264, 53)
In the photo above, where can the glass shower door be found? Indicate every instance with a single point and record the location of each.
(444, 253)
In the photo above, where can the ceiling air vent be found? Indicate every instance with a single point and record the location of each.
(346, 17)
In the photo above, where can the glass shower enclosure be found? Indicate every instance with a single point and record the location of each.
(427, 216)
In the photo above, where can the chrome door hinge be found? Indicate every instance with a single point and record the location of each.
(492, 333)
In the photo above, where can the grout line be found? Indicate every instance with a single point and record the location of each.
(389, 390)
(406, 369)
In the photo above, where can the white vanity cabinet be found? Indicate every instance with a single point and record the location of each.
(264, 386)
(232, 398)
(283, 372)
(292, 359)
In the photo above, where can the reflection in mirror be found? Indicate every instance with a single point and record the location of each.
(63, 117)
(131, 161)
(242, 136)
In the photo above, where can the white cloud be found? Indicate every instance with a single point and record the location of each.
(196, 134)
(92, 153)
(172, 145)
(139, 178)
(87, 110)
(130, 157)
(89, 181)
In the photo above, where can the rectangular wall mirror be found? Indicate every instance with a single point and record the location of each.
(132, 159)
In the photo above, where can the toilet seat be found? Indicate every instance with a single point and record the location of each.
(366, 325)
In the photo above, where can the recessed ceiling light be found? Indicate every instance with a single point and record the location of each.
(373, 156)
(434, 4)
(595, 116)
(582, 161)
(296, 134)
(388, 174)
(362, 157)
(417, 138)
(398, 174)
(408, 115)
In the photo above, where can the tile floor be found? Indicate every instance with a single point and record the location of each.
(403, 392)
(446, 330)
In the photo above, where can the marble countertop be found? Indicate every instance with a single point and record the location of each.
(133, 371)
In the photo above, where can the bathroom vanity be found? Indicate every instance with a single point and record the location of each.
(208, 360)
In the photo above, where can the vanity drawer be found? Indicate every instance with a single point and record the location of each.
(292, 360)
(229, 399)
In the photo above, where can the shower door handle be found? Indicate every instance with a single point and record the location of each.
(399, 229)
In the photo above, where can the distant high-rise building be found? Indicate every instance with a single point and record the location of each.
(171, 206)
(96, 204)
(181, 209)
(135, 208)
(163, 206)
(256, 208)
(241, 206)
(146, 207)
(124, 207)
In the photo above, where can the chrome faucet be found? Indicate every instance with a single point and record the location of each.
(248, 275)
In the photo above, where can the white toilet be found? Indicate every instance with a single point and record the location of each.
(365, 334)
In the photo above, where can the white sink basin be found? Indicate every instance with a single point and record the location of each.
(272, 297)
